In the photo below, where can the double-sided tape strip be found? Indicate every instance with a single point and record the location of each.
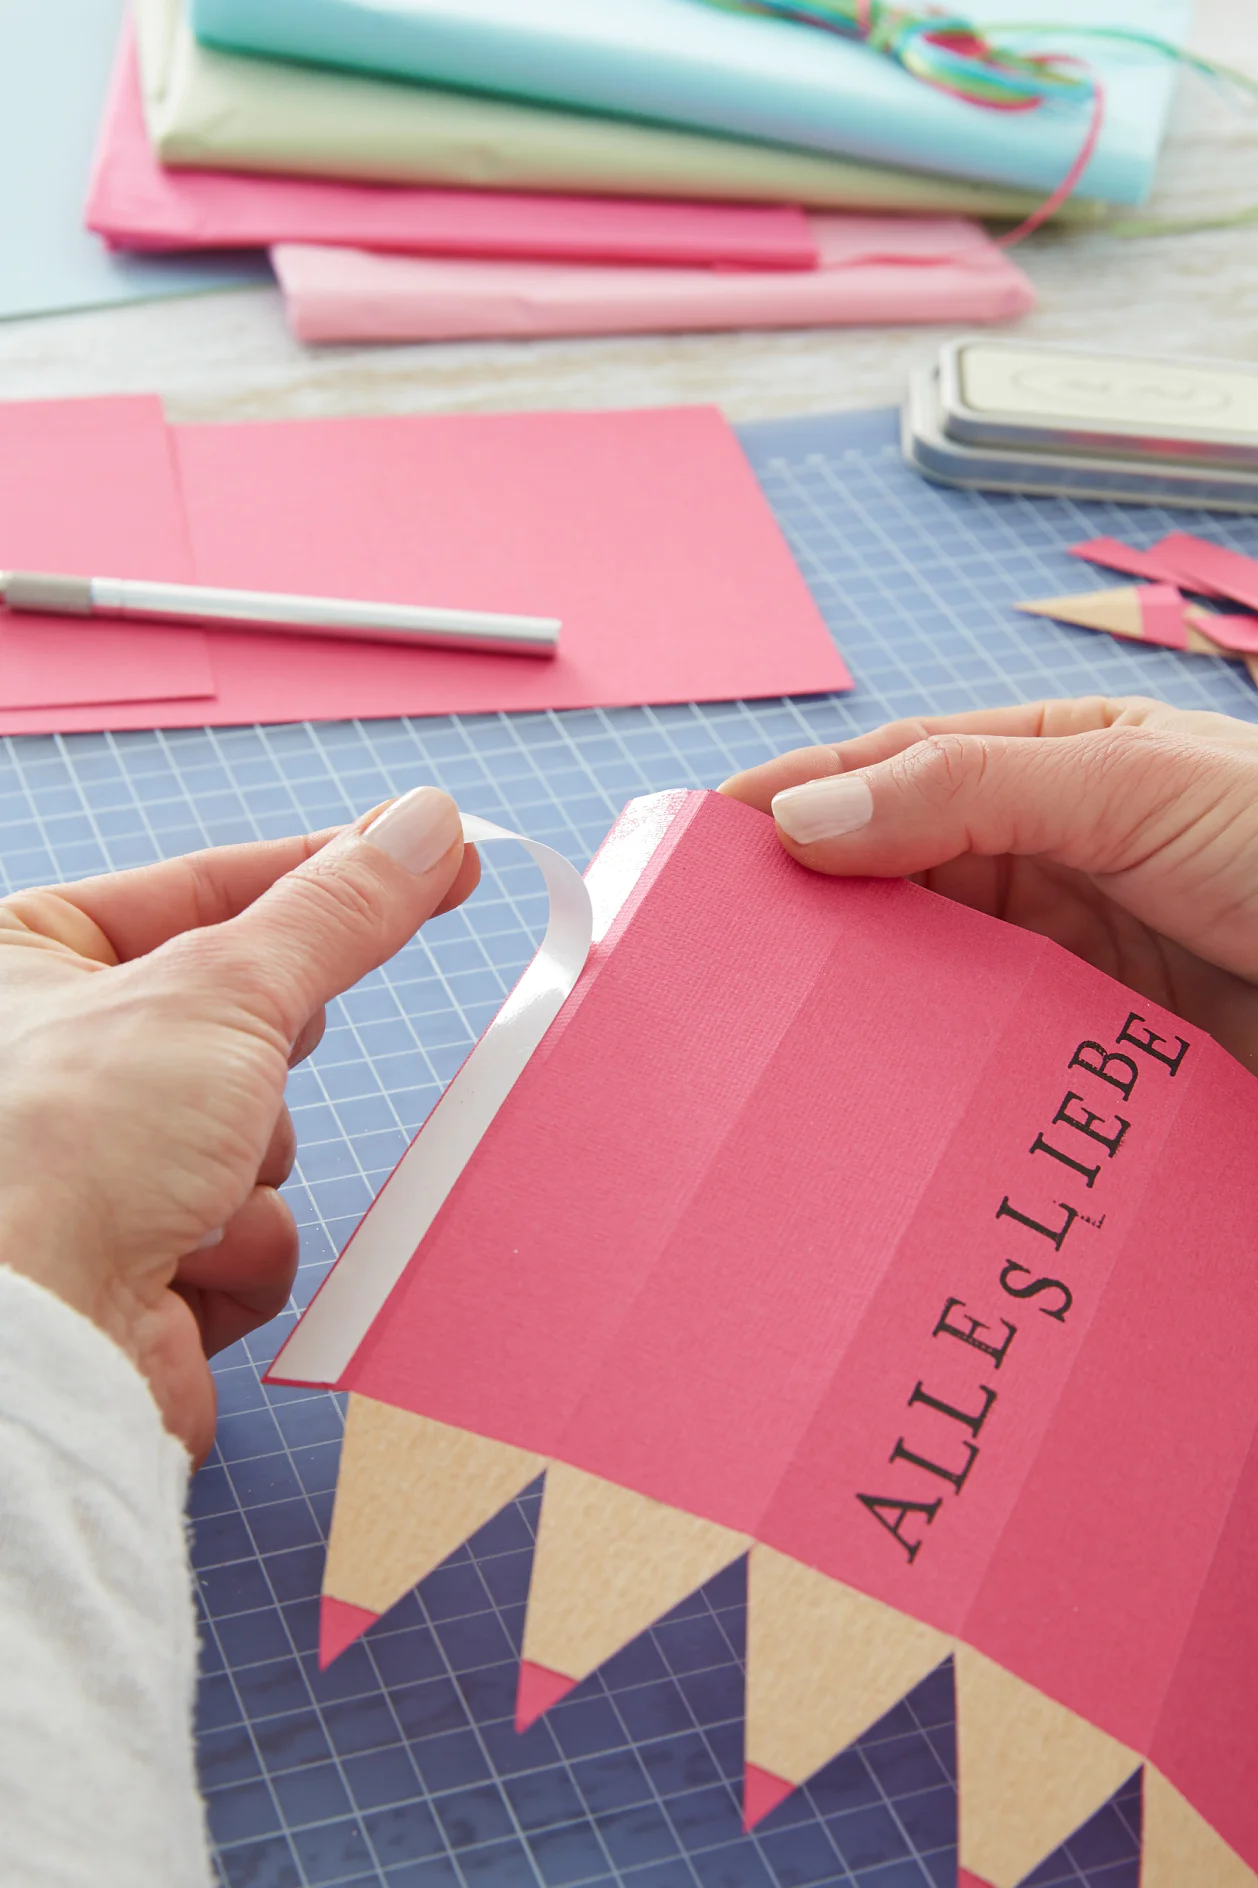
(354, 1292)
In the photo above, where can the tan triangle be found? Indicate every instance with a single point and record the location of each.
(824, 1662)
(608, 1564)
(1115, 611)
(409, 1492)
(1178, 1847)
(1029, 1771)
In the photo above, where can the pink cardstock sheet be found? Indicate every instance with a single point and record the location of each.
(874, 270)
(646, 532)
(136, 204)
(87, 489)
(900, 1241)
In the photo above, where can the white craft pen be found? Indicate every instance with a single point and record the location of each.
(280, 615)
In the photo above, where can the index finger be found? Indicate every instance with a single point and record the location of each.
(1032, 719)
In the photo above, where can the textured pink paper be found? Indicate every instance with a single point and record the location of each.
(135, 204)
(645, 531)
(87, 489)
(873, 270)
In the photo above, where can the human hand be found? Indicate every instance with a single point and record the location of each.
(147, 1024)
(1125, 830)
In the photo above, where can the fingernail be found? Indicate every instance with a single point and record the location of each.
(418, 829)
(208, 1241)
(824, 809)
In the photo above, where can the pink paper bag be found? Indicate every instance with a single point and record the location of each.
(898, 1242)
(135, 204)
(873, 270)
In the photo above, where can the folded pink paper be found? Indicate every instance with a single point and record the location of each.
(87, 488)
(644, 531)
(135, 204)
(873, 270)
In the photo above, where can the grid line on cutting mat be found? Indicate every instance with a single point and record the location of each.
(399, 1767)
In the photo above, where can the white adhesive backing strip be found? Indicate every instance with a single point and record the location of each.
(355, 1290)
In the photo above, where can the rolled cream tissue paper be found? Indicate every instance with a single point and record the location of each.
(224, 110)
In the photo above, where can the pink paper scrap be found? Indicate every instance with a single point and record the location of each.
(1111, 554)
(873, 270)
(1211, 569)
(135, 204)
(1162, 616)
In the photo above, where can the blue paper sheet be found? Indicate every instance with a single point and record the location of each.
(685, 62)
(56, 57)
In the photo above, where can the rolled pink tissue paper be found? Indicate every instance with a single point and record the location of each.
(135, 204)
(874, 270)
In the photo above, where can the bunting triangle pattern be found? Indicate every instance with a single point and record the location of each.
(833, 1223)
(410, 1492)
(1180, 1848)
(608, 1564)
(824, 1663)
(1029, 1772)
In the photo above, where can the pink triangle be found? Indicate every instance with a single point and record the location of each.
(538, 1690)
(762, 1792)
(339, 1625)
(966, 1880)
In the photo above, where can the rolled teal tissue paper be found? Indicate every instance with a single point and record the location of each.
(684, 62)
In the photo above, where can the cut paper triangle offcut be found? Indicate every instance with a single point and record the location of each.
(1113, 611)
(1156, 614)
(836, 1218)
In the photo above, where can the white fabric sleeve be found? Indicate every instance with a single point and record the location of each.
(97, 1634)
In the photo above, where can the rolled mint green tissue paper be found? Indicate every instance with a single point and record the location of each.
(210, 109)
(686, 62)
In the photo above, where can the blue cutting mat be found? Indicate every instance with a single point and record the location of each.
(400, 1765)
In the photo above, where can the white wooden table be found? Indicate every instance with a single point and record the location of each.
(230, 356)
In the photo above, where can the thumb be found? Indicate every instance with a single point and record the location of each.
(347, 909)
(1104, 803)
